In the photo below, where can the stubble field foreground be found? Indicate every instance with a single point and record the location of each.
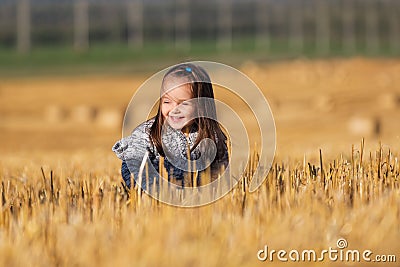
(62, 203)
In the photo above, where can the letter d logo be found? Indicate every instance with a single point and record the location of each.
(262, 254)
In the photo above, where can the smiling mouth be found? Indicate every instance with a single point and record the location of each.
(176, 118)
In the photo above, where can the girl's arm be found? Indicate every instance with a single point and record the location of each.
(126, 174)
(131, 150)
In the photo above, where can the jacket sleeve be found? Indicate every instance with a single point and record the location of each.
(126, 174)
(132, 150)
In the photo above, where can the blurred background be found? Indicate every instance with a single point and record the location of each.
(329, 68)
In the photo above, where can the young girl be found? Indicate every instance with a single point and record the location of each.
(184, 135)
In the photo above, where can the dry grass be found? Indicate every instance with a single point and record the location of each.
(76, 213)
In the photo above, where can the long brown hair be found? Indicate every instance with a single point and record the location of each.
(201, 86)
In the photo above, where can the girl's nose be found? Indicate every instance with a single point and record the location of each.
(175, 108)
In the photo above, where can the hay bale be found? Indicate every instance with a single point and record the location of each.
(384, 80)
(274, 104)
(55, 114)
(83, 114)
(301, 72)
(109, 118)
(388, 101)
(364, 126)
(251, 69)
(323, 103)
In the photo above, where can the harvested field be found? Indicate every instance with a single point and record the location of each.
(63, 203)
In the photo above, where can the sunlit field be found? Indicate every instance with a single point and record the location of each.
(335, 174)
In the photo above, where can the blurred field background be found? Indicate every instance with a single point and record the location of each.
(329, 69)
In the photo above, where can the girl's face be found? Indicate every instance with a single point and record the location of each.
(176, 107)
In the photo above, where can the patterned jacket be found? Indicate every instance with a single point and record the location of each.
(137, 148)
